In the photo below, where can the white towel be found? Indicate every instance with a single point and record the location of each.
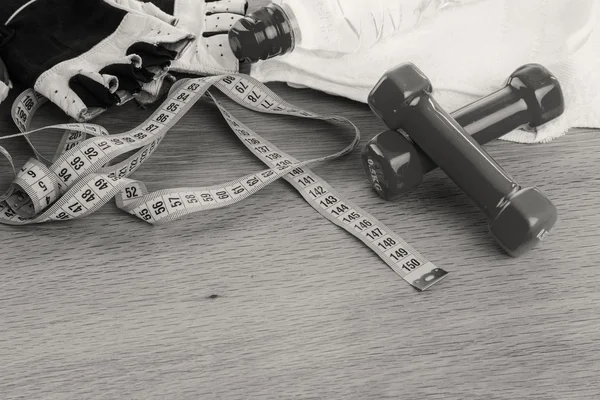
(468, 51)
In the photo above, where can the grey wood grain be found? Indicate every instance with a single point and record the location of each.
(268, 300)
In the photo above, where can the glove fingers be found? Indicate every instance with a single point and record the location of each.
(227, 6)
(130, 76)
(220, 22)
(94, 89)
(153, 56)
(84, 93)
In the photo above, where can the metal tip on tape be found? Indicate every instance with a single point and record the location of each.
(428, 279)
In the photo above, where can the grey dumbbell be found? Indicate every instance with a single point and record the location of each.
(519, 217)
(531, 97)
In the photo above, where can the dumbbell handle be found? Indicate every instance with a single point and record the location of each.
(458, 154)
(487, 119)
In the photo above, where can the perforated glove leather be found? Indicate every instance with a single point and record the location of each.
(209, 21)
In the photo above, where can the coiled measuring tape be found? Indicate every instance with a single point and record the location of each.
(80, 178)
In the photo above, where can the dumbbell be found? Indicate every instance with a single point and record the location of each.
(531, 97)
(519, 217)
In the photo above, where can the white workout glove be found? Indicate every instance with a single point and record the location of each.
(88, 55)
(209, 21)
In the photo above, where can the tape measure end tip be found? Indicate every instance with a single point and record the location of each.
(429, 279)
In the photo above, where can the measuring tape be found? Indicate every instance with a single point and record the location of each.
(80, 178)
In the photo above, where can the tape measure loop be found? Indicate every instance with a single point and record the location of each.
(80, 179)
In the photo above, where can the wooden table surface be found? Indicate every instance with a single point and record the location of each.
(268, 300)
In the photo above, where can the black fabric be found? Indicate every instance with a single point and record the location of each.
(152, 55)
(48, 32)
(92, 93)
(167, 6)
(9, 7)
(6, 34)
(130, 77)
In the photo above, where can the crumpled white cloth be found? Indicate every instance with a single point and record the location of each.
(468, 51)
